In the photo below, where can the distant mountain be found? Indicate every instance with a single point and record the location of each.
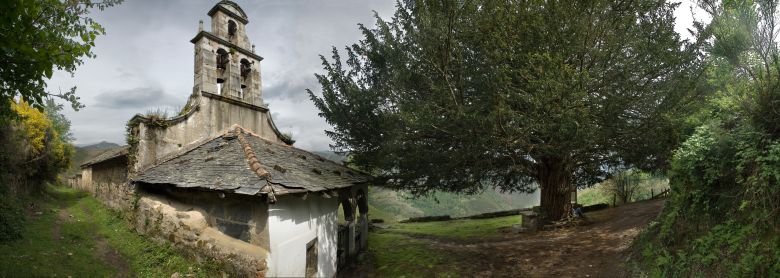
(102, 145)
(330, 155)
(87, 152)
(392, 205)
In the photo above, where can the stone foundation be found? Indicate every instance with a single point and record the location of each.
(188, 228)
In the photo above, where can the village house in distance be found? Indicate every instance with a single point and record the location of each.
(220, 181)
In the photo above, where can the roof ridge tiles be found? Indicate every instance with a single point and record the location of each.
(316, 156)
(255, 165)
(252, 160)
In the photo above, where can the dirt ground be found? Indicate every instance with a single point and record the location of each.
(597, 249)
(103, 251)
(110, 255)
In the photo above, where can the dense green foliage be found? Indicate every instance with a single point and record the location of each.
(64, 240)
(11, 217)
(38, 37)
(723, 217)
(461, 95)
(33, 151)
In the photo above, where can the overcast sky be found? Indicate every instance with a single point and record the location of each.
(145, 60)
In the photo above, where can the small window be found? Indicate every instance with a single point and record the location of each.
(231, 28)
(311, 258)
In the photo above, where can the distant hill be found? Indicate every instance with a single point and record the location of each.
(393, 205)
(102, 145)
(86, 152)
(330, 155)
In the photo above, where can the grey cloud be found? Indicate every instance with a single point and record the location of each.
(147, 47)
(147, 42)
(137, 98)
(288, 89)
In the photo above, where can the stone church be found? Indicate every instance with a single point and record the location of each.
(221, 182)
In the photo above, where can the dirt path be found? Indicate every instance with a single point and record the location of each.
(56, 230)
(109, 255)
(594, 250)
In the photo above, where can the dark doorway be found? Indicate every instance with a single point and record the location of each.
(311, 258)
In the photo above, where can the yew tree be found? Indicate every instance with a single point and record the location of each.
(461, 95)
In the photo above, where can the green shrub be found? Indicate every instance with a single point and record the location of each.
(722, 217)
(11, 219)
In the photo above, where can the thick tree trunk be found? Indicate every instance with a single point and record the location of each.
(554, 177)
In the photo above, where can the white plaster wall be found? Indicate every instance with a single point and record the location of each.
(292, 223)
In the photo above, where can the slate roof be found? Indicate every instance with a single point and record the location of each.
(244, 163)
(107, 155)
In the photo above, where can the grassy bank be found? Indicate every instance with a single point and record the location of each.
(396, 255)
(457, 229)
(69, 233)
(406, 249)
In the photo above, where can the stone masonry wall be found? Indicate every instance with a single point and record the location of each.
(200, 224)
(107, 181)
(109, 184)
(212, 116)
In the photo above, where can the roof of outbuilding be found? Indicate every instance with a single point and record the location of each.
(107, 155)
(241, 162)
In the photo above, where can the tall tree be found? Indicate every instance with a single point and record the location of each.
(38, 37)
(459, 95)
(745, 34)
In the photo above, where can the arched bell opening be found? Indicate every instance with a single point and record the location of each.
(232, 28)
(246, 81)
(223, 59)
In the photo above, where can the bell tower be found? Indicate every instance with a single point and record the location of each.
(225, 60)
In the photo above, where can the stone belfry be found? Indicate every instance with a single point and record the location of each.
(225, 62)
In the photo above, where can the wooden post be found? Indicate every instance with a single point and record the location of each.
(614, 199)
